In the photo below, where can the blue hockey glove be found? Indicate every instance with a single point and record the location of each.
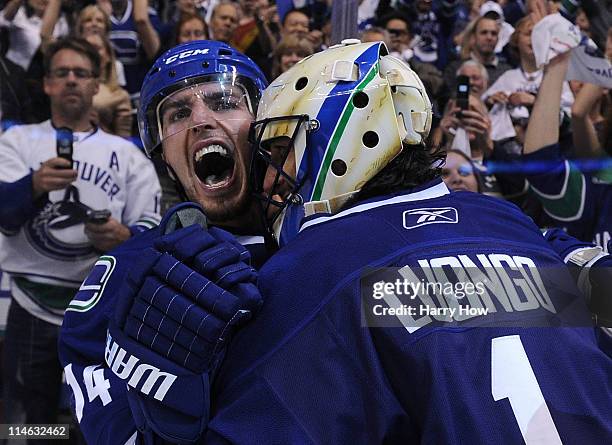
(177, 309)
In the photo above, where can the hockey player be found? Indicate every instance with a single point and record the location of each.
(318, 364)
(165, 303)
(56, 216)
(341, 134)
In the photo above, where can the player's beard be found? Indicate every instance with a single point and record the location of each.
(221, 210)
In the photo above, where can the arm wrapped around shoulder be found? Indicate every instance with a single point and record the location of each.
(179, 306)
(591, 267)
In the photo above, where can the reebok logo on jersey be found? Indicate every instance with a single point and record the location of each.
(421, 217)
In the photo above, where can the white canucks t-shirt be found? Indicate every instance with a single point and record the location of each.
(51, 248)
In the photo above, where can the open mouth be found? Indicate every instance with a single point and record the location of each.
(214, 165)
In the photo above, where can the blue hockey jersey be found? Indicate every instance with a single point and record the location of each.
(128, 48)
(579, 202)
(99, 397)
(310, 370)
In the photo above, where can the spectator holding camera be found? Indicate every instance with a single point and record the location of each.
(467, 127)
(57, 214)
(112, 110)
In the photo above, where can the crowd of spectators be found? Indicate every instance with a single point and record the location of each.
(489, 42)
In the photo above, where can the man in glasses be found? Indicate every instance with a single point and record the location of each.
(396, 25)
(165, 303)
(69, 192)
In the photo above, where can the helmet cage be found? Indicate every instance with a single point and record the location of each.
(262, 159)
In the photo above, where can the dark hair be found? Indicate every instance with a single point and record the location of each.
(76, 44)
(396, 15)
(414, 166)
(291, 11)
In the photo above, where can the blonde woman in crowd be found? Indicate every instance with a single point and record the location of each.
(190, 27)
(290, 50)
(111, 106)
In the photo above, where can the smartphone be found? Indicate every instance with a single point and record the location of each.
(463, 92)
(98, 216)
(64, 139)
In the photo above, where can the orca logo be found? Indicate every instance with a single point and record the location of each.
(57, 230)
(421, 217)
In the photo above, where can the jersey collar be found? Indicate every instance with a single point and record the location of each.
(126, 15)
(432, 189)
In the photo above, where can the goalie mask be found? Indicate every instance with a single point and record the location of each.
(330, 124)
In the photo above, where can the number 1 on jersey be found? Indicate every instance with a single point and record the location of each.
(512, 377)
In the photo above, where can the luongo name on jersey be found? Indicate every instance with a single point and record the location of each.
(50, 246)
(310, 369)
(307, 370)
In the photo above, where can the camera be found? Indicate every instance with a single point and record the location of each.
(63, 142)
(463, 92)
(98, 216)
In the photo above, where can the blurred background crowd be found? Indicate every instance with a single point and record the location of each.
(485, 45)
(487, 41)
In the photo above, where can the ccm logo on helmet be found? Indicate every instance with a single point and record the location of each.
(191, 52)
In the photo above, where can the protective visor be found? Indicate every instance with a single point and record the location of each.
(211, 100)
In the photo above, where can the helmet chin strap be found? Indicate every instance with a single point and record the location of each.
(331, 205)
(180, 190)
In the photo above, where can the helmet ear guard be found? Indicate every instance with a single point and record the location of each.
(410, 100)
(361, 106)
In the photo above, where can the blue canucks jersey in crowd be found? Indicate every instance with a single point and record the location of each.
(580, 202)
(128, 48)
(310, 368)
